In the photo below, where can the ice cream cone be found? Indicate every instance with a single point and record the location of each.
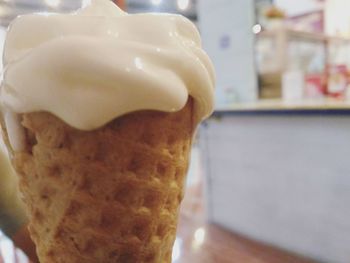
(107, 195)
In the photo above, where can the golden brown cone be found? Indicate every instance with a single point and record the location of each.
(108, 195)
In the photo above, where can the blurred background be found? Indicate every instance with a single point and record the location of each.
(270, 175)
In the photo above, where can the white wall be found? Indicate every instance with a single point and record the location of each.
(337, 17)
(226, 28)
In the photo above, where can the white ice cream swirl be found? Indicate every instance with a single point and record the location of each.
(99, 63)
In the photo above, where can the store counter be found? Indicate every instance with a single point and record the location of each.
(324, 106)
(279, 172)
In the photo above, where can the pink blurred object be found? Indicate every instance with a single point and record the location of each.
(9, 253)
(337, 80)
(310, 22)
(315, 86)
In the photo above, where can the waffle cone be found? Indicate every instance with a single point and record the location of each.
(108, 195)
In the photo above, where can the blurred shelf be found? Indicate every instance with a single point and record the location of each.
(283, 48)
(302, 34)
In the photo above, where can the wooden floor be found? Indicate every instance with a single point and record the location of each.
(201, 242)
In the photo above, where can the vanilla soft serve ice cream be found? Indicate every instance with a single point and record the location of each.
(99, 63)
(100, 108)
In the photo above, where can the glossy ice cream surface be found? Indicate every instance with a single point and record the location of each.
(100, 63)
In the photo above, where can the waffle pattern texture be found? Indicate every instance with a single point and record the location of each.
(108, 195)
